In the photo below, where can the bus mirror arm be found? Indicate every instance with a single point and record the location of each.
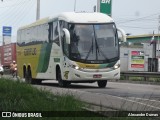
(67, 35)
(122, 33)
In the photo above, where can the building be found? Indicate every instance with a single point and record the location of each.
(137, 52)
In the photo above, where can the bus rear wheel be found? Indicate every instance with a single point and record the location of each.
(102, 84)
(28, 78)
(61, 82)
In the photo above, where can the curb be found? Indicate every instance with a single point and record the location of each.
(135, 82)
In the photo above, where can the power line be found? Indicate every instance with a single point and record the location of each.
(16, 4)
(7, 11)
(12, 13)
(142, 20)
(136, 27)
(24, 16)
(137, 19)
(18, 15)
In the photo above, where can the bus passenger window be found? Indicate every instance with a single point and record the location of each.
(53, 33)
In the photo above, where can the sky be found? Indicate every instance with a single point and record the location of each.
(136, 17)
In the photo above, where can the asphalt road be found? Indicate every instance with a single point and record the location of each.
(121, 96)
(117, 95)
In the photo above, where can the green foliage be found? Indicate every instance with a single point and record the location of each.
(17, 96)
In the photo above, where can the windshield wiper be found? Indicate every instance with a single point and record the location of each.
(91, 49)
(98, 50)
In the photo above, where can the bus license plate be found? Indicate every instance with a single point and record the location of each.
(97, 76)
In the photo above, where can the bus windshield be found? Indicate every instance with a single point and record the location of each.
(94, 43)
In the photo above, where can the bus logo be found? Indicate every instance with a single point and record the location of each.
(106, 1)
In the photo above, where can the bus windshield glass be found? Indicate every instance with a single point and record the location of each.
(94, 43)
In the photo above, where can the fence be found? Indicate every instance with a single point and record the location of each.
(146, 75)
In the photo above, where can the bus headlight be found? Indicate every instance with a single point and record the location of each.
(116, 66)
(75, 67)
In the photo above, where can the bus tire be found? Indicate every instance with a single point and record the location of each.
(102, 83)
(61, 82)
(38, 82)
(28, 78)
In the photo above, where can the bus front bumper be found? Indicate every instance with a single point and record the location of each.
(78, 75)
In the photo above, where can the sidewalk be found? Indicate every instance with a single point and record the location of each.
(136, 82)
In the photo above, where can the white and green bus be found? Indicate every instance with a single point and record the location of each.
(70, 48)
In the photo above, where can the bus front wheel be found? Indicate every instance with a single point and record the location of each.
(61, 82)
(102, 84)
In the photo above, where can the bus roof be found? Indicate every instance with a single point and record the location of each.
(74, 17)
(83, 17)
(38, 22)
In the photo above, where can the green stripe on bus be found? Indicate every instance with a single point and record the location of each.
(44, 57)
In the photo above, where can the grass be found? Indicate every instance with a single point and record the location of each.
(154, 79)
(16, 96)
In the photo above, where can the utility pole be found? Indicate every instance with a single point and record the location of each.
(75, 5)
(158, 36)
(154, 46)
(38, 10)
(2, 36)
(94, 8)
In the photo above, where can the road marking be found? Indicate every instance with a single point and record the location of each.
(143, 99)
(136, 102)
(81, 93)
(76, 90)
(122, 99)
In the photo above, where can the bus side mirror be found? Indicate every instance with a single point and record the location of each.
(67, 35)
(123, 34)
